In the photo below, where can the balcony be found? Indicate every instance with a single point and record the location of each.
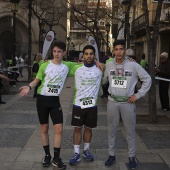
(138, 24)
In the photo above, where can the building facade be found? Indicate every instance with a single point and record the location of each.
(138, 34)
(21, 31)
(80, 25)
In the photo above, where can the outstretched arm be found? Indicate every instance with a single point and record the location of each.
(5, 78)
(25, 89)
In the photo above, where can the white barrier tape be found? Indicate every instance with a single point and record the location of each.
(160, 78)
(17, 66)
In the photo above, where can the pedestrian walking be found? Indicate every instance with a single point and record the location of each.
(163, 71)
(6, 79)
(84, 113)
(123, 76)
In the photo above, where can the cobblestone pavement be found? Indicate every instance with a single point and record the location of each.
(20, 142)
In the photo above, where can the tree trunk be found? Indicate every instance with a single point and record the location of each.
(152, 38)
(152, 92)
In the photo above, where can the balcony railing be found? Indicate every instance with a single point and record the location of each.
(138, 24)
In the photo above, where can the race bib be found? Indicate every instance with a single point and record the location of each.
(52, 90)
(87, 102)
(119, 82)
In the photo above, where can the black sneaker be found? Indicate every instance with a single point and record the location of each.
(2, 102)
(111, 160)
(58, 163)
(132, 163)
(46, 161)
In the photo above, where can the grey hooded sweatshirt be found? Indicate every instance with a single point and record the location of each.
(129, 73)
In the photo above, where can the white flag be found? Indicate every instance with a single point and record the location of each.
(47, 42)
(92, 42)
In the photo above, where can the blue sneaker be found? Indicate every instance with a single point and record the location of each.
(75, 159)
(87, 155)
(111, 160)
(132, 163)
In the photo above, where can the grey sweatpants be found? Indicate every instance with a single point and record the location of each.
(128, 114)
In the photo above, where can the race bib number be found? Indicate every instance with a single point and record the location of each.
(119, 82)
(52, 90)
(87, 102)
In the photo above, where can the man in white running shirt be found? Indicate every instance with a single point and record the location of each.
(84, 113)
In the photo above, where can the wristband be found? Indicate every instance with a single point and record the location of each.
(30, 87)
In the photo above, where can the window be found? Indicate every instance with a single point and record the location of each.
(101, 23)
(81, 35)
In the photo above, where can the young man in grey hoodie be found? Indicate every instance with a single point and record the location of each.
(122, 76)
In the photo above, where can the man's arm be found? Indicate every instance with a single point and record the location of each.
(146, 82)
(100, 66)
(25, 89)
(4, 77)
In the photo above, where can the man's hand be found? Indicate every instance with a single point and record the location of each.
(132, 99)
(100, 66)
(131, 59)
(24, 90)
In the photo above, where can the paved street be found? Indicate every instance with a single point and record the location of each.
(20, 142)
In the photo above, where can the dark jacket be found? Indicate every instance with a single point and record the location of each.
(164, 69)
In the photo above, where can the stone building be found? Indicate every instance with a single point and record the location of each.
(21, 30)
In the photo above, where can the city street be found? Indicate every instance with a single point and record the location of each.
(20, 142)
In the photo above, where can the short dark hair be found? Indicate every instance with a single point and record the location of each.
(119, 42)
(59, 44)
(89, 47)
(143, 56)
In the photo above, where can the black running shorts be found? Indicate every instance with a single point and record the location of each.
(86, 117)
(49, 105)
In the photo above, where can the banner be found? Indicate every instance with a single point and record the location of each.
(92, 42)
(47, 43)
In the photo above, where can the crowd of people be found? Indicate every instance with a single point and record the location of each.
(118, 74)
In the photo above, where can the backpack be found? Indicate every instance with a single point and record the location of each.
(35, 67)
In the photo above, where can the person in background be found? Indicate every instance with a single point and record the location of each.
(21, 64)
(6, 79)
(10, 62)
(105, 58)
(81, 57)
(37, 63)
(122, 75)
(144, 63)
(26, 59)
(163, 71)
(130, 53)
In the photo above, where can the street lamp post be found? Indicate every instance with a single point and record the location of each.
(126, 8)
(41, 34)
(68, 48)
(29, 38)
(14, 9)
(107, 30)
